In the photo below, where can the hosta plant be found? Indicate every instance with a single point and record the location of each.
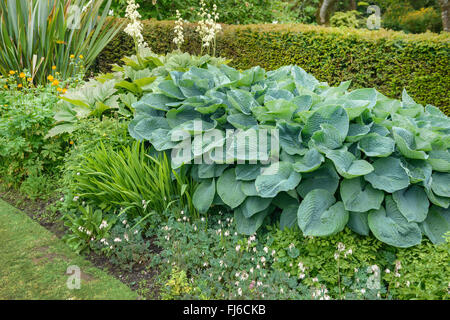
(115, 93)
(334, 157)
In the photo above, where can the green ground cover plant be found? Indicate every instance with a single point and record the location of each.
(348, 158)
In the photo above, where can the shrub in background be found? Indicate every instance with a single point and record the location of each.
(425, 19)
(386, 60)
(345, 19)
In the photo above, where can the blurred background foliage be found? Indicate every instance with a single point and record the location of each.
(410, 16)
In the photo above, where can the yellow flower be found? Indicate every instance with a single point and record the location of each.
(22, 75)
(53, 67)
(6, 87)
(50, 78)
(81, 56)
(30, 79)
(11, 72)
(19, 85)
(71, 142)
(64, 90)
(58, 89)
(72, 56)
(55, 82)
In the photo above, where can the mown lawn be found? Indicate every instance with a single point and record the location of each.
(33, 264)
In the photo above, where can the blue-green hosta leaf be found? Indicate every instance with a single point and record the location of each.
(148, 125)
(253, 205)
(437, 200)
(275, 110)
(417, 170)
(309, 162)
(278, 94)
(379, 129)
(358, 222)
(359, 196)
(323, 178)
(249, 188)
(242, 121)
(437, 224)
(276, 178)
(440, 160)
(249, 226)
(288, 218)
(320, 215)
(374, 145)
(347, 165)
(206, 171)
(406, 144)
(303, 79)
(412, 202)
(389, 175)
(303, 103)
(161, 139)
(333, 115)
(286, 199)
(389, 226)
(229, 189)
(204, 195)
(248, 172)
(176, 117)
(357, 131)
(290, 138)
(157, 101)
(251, 76)
(440, 184)
(326, 139)
(242, 100)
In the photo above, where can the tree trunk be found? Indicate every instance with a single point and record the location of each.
(444, 9)
(353, 5)
(324, 11)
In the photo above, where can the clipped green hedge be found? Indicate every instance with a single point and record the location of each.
(386, 60)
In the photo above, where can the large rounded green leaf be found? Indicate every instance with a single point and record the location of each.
(229, 189)
(412, 202)
(320, 215)
(440, 160)
(437, 224)
(388, 175)
(358, 222)
(333, 115)
(440, 184)
(347, 165)
(253, 205)
(359, 196)
(249, 226)
(309, 162)
(389, 226)
(323, 178)
(276, 178)
(204, 195)
(406, 144)
(374, 145)
(288, 218)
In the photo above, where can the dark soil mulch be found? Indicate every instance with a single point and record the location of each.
(141, 278)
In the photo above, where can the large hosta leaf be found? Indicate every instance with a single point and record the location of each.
(323, 178)
(229, 189)
(242, 100)
(440, 184)
(320, 215)
(249, 226)
(389, 226)
(326, 139)
(253, 205)
(374, 145)
(347, 165)
(204, 195)
(437, 224)
(412, 202)
(288, 218)
(333, 115)
(290, 138)
(309, 162)
(388, 175)
(406, 144)
(359, 196)
(440, 160)
(358, 222)
(276, 178)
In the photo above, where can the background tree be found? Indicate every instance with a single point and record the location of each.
(444, 13)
